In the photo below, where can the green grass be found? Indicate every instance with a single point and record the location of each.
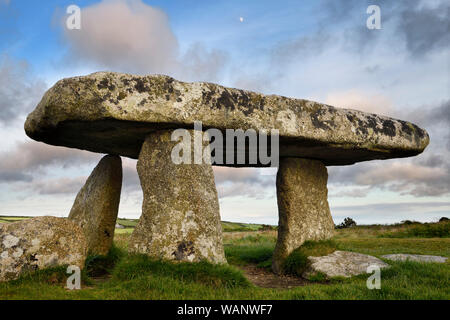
(139, 277)
(128, 223)
(427, 230)
(297, 262)
(236, 226)
(9, 219)
(399, 230)
(381, 246)
(136, 266)
(254, 249)
(131, 276)
(124, 231)
(98, 265)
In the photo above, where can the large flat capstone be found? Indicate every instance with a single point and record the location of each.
(113, 113)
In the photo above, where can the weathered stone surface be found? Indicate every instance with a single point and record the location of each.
(97, 204)
(113, 113)
(342, 264)
(415, 257)
(180, 213)
(303, 208)
(40, 243)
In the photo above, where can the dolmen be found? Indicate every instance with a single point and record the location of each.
(148, 117)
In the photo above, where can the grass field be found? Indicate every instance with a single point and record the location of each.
(124, 276)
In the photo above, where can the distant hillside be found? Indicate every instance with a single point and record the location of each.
(129, 224)
(7, 219)
(226, 225)
(404, 229)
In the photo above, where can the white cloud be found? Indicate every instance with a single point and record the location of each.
(129, 35)
(30, 157)
(19, 90)
(359, 100)
(400, 171)
(66, 185)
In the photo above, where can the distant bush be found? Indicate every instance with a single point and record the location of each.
(408, 222)
(348, 223)
(431, 230)
(266, 227)
(425, 230)
(444, 219)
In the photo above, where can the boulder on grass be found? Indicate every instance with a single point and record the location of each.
(40, 243)
(342, 264)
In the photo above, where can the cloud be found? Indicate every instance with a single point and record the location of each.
(246, 182)
(198, 61)
(420, 177)
(425, 28)
(64, 185)
(418, 26)
(358, 192)
(425, 175)
(225, 174)
(301, 48)
(439, 116)
(19, 90)
(356, 99)
(28, 158)
(131, 36)
(128, 35)
(131, 180)
(398, 171)
(408, 178)
(241, 189)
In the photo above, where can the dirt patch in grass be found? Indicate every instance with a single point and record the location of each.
(263, 278)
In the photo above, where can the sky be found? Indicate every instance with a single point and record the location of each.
(317, 50)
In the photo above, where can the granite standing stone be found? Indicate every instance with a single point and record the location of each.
(97, 204)
(180, 214)
(303, 208)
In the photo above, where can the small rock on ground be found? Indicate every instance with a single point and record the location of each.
(415, 257)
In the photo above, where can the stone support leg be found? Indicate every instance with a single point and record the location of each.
(303, 208)
(97, 204)
(180, 213)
